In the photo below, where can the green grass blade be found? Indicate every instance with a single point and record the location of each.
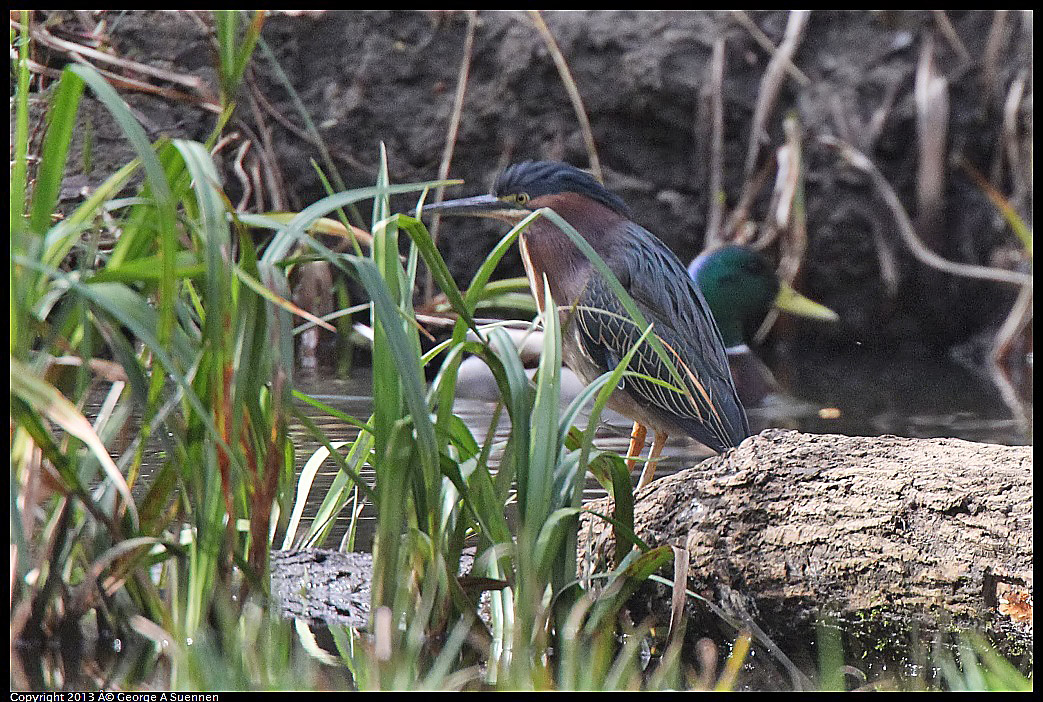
(135, 135)
(48, 401)
(19, 167)
(613, 282)
(65, 234)
(544, 449)
(304, 484)
(294, 232)
(234, 54)
(61, 119)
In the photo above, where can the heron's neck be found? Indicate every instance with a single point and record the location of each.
(548, 251)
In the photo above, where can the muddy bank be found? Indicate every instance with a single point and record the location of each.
(646, 83)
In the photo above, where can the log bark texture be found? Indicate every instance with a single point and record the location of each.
(788, 526)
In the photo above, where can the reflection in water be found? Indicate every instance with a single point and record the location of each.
(926, 398)
(858, 395)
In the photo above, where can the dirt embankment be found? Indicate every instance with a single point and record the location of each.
(928, 97)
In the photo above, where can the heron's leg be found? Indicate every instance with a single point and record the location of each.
(637, 444)
(653, 457)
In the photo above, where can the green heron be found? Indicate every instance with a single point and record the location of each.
(741, 287)
(597, 331)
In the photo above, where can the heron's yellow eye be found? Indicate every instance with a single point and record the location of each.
(521, 198)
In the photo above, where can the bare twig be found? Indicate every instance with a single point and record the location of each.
(761, 38)
(225, 140)
(861, 162)
(47, 39)
(849, 125)
(450, 141)
(279, 117)
(740, 213)
(35, 67)
(120, 81)
(94, 31)
(887, 260)
(931, 92)
(715, 194)
(81, 53)
(843, 117)
(875, 127)
(1017, 319)
(1008, 393)
(1020, 176)
(255, 175)
(949, 32)
(771, 83)
(244, 179)
(786, 214)
(994, 44)
(272, 172)
(573, 91)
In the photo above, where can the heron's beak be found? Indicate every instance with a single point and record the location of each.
(480, 206)
(789, 300)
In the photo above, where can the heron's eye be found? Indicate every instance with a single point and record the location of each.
(521, 198)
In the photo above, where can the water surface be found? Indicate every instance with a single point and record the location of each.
(857, 395)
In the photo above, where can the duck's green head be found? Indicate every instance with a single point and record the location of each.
(741, 287)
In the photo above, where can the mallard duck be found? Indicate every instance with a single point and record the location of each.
(741, 287)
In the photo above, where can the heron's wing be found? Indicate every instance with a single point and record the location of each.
(707, 404)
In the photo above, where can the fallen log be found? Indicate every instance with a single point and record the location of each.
(320, 585)
(790, 527)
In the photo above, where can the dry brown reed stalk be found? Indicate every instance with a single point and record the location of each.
(761, 38)
(737, 226)
(861, 162)
(92, 57)
(786, 214)
(782, 209)
(1018, 162)
(244, 178)
(572, 90)
(949, 32)
(997, 39)
(931, 95)
(40, 34)
(679, 594)
(450, 141)
(715, 97)
(771, 83)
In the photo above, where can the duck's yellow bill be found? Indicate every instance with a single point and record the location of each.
(789, 300)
